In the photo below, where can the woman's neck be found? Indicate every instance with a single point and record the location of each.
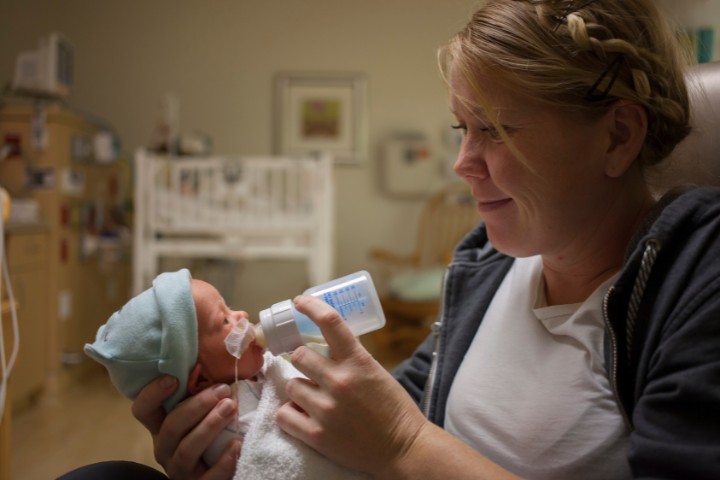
(574, 276)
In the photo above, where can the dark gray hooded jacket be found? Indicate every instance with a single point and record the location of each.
(662, 346)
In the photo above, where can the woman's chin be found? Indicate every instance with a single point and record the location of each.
(513, 242)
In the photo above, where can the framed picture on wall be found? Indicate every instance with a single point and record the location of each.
(321, 113)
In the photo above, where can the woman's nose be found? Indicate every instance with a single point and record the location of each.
(470, 162)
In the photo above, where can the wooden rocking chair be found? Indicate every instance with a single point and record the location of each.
(411, 284)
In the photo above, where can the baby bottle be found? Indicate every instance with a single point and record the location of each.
(282, 328)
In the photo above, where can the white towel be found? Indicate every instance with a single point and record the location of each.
(268, 452)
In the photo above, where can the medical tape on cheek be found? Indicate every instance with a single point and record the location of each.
(239, 338)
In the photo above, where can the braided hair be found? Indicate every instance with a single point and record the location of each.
(584, 56)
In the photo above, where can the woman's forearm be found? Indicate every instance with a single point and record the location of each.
(436, 454)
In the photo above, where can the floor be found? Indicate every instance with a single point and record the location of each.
(70, 427)
(80, 419)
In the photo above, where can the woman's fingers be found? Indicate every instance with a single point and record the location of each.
(225, 468)
(348, 392)
(148, 406)
(306, 396)
(181, 436)
(311, 364)
(190, 428)
(295, 421)
(341, 340)
(190, 449)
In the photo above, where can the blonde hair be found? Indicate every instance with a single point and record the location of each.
(566, 53)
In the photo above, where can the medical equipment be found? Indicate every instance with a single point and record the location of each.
(48, 69)
(6, 364)
(282, 328)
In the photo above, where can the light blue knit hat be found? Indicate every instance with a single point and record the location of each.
(154, 333)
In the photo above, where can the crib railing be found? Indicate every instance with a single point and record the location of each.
(233, 207)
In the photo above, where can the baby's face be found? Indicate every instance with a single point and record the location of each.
(215, 320)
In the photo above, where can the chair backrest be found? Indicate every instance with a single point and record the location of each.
(447, 217)
(697, 159)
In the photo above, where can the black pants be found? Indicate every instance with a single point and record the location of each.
(114, 470)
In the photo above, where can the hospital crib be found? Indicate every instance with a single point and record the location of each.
(232, 207)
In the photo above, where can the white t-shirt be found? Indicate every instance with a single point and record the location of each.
(532, 392)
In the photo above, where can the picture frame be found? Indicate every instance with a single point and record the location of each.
(322, 113)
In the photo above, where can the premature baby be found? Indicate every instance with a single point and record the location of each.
(182, 327)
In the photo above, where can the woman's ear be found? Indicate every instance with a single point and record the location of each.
(197, 381)
(628, 129)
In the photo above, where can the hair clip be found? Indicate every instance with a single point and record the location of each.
(613, 69)
(570, 8)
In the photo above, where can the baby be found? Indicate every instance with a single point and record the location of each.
(182, 327)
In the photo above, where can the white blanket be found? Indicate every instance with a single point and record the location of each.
(269, 453)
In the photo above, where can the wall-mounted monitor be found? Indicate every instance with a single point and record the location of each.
(47, 70)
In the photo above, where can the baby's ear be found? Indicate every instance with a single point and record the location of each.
(197, 381)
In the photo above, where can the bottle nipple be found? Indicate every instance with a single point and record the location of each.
(260, 339)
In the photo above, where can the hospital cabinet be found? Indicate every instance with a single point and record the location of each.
(71, 274)
(27, 254)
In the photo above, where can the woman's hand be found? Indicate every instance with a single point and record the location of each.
(351, 409)
(181, 436)
(353, 412)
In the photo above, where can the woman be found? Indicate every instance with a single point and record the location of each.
(579, 330)
(578, 335)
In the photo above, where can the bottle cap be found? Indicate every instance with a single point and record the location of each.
(278, 325)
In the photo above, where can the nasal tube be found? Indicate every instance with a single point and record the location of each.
(282, 328)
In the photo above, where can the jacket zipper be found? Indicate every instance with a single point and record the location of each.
(432, 374)
(614, 367)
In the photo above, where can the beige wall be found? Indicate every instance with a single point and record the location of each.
(693, 14)
(219, 58)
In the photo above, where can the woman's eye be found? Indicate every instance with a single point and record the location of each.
(459, 127)
(491, 132)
